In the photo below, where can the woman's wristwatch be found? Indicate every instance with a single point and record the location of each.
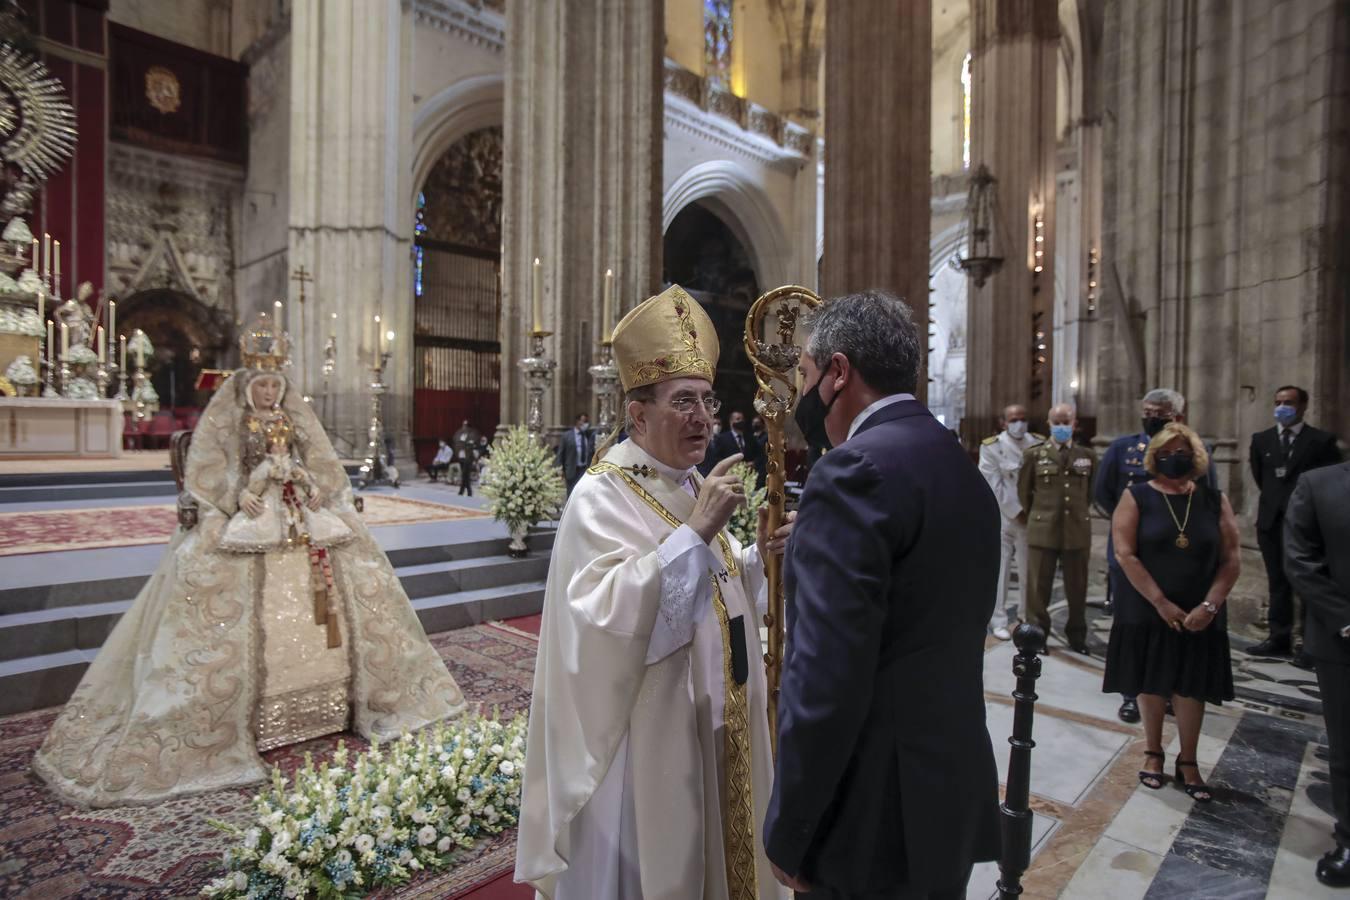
(1210, 608)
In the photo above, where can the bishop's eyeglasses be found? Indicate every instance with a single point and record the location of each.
(685, 405)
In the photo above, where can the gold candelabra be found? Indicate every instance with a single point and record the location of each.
(776, 313)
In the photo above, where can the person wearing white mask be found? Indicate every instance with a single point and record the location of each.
(1000, 462)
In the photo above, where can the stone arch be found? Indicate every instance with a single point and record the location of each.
(731, 193)
(440, 120)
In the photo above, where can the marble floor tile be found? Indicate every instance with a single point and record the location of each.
(1307, 835)
(1179, 877)
(1062, 684)
(1113, 871)
(1150, 820)
(1068, 759)
(983, 883)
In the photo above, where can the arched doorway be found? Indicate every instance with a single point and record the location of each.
(703, 255)
(188, 336)
(457, 293)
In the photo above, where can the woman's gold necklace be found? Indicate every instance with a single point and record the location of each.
(1182, 541)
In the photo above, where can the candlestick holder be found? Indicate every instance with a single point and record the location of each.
(140, 408)
(121, 375)
(48, 385)
(329, 365)
(605, 384)
(538, 369)
(64, 388)
(375, 469)
(101, 379)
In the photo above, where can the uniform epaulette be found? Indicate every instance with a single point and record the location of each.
(989, 440)
(1039, 437)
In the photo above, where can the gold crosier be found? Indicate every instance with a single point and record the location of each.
(775, 373)
(738, 825)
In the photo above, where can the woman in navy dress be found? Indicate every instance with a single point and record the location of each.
(1177, 543)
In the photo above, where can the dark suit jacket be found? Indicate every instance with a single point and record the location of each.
(723, 445)
(1313, 448)
(573, 465)
(1317, 558)
(885, 775)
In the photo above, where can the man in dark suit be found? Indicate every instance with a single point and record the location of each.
(1278, 457)
(733, 439)
(574, 450)
(1317, 561)
(885, 784)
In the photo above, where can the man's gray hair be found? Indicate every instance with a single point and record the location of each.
(1168, 398)
(875, 330)
(644, 394)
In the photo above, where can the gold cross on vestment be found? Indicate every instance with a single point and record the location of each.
(301, 276)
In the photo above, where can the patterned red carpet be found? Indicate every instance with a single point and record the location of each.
(49, 850)
(87, 529)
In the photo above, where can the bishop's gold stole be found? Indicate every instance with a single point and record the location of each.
(738, 816)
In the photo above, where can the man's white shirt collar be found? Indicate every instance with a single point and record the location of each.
(884, 402)
(1295, 428)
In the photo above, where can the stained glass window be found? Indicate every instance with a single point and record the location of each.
(419, 227)
(717, 34)
(965, 112)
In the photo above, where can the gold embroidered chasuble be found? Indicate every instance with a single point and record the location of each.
(695, 742)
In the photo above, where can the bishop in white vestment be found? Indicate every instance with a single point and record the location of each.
(648, 765)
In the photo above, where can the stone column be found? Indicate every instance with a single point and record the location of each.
(878, 76)
(350, 204)
(582, 173)
(1230, 256)
(1013, 67)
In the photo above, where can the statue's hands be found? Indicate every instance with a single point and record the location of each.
(777, 542)
(251, 504)
(718, 497)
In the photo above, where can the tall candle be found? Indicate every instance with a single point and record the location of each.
(112, 317)
(42, 303)
(607, 309)
(33, 256)
(51, 345)
(65, 341)
(379, 338)
(123, 341)
(56, 252)
(140, 351)
(538, 295)
(102, 347)
(46, 254)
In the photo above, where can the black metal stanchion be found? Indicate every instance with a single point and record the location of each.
(1030, 639)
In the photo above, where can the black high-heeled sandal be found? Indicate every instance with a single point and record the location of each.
(1152, 780)
(1200, 793)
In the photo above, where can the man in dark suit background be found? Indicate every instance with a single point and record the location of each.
(885, 784)
(1278, 456)
(735, 438)
(1317, 560)
(574, 450)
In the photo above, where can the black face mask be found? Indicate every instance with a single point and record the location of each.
(1154, 424)
(810, 416)
(1176, 465)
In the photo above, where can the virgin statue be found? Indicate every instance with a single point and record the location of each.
(274, 620)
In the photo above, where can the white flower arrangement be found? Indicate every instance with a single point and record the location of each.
(340, 831)
(22, 372)
(745, 520)
(523, 486)
(82, 389)
(23, 321)
(80, 355)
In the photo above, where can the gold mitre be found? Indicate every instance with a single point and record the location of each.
(667, 336)
(264, 346)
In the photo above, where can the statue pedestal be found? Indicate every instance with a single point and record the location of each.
(60, 429)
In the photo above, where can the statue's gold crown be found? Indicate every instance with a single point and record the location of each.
(667, 336)
(265, 346)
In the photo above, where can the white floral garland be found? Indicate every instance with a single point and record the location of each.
(744, 522)
(340, 831)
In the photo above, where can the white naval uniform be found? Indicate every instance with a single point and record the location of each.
(1000, 463)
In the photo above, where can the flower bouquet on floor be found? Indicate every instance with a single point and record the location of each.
(523, 486)
(375, 820)
(744, 521)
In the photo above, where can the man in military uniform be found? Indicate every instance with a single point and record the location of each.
(1123, 465)
(1000, 464)
(1054, 488)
